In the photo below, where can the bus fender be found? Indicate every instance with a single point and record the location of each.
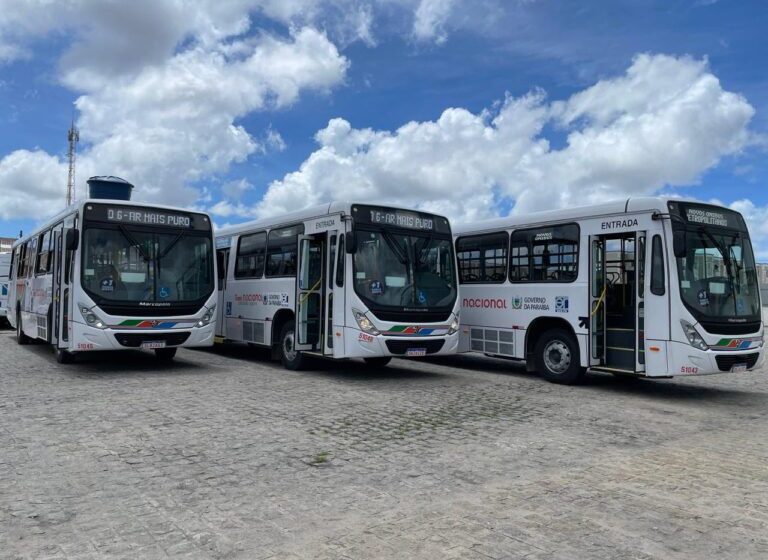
(281, 318)
(538, 327)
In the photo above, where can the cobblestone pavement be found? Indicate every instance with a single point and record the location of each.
(224, 454)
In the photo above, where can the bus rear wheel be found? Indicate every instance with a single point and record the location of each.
(64, 357)
(165, 354)
(21, 338)
(378, 362)
(557, 357)
(290, 357)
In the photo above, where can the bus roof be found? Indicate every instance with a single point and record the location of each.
(612, 208)
(78, 206)
(308, 213)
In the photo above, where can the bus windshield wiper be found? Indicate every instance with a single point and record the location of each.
(170, 246)
(395, 247)
(720, 247)
(134, 243)
(425, 249)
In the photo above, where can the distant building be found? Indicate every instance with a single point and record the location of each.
(762, 274)
(5, 244)
(762, 280)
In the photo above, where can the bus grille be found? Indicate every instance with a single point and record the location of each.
(725, 363)
(134, 340)
(253, 331)
(492, 341)
(402, 346)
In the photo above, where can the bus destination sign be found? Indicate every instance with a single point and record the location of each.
(705, 215)
(392, 217)
(141, 216)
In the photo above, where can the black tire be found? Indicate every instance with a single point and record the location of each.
(21, 338)
(291, 359)
(165, 354)
(378, 362)
(557, 357)
(64, 357)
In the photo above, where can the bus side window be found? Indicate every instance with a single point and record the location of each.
(482, 258)
(12, 266)
(43, 265)
(221, 266)
(282, 251)
(657, 267)
(29, 260)
(251, 251)
(341, 254)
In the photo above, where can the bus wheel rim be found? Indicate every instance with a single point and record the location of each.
(557, 356)
(289, 349)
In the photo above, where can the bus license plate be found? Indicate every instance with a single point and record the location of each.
(153, 344)
(416, 352)
(739, 367)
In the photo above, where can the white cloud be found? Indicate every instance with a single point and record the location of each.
(430, 19)
(757, 223)
(32, 184)
(663, 123)
(168, 125)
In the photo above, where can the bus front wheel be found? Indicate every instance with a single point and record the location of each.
(557, 357)
(21, 338)
(290, 357)
(165, 354)
(64, 357)
(377, 362)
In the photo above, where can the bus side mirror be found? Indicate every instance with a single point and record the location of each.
(72, 241)
(350, 242)
(679, 243)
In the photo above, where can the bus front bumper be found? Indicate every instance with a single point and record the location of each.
(91, 339)
(687, 360)
(358, 344)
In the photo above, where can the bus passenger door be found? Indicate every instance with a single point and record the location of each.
(640, 302)
(597, 294)
(222, 266)
(309, 292)
(56, 286)
(69, 235)
(330, 269)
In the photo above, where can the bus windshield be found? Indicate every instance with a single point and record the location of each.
(394, 269)
(128, 264)
(718, 277)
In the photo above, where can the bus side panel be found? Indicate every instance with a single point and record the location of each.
(250, 306)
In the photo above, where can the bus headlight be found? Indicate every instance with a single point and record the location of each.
(693, 336)
(91, 319)
(208, 317)
(365, 323)
(454, 326)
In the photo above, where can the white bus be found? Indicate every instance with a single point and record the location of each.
(5, 267)
(109, 275)
(373, 283)
(648, 287)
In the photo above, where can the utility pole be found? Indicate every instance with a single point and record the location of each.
(73, 137)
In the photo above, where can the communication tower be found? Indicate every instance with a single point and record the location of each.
(73, 137)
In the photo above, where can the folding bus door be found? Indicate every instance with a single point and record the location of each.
(597, 294)
(640, 302)
(309, 292)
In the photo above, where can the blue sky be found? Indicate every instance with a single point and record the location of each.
(548, 103)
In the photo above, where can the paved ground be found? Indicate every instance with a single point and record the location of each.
(225, 455)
